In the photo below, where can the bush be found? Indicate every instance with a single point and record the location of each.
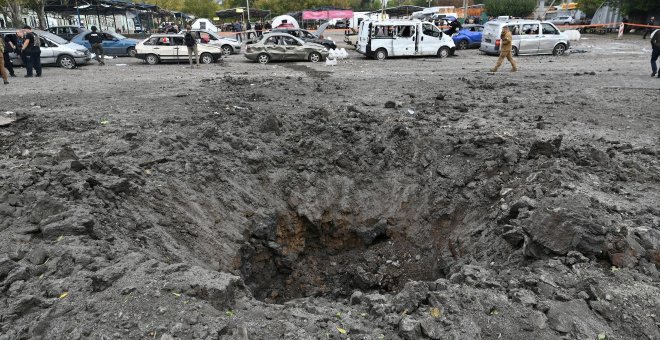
(514, 8)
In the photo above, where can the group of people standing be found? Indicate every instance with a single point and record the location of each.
(27, 45)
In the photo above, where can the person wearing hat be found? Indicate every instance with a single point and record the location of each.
(96, 40)
(454, 26)
(505, 50)
(31, 51)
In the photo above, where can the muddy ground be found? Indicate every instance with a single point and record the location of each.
(404, 199)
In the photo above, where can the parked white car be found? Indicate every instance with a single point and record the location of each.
(563, 20)
(171, 47)
(228, 45)
(398, 38)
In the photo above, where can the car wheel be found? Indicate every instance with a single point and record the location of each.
(559, 50)
(444, 52)
(227, 50)
(514, 51)
(263, 58)
(463, 45)
(151, 59)
(206, 58)
(66, 61)
(131, 52)
(315, 57)
(381, 54)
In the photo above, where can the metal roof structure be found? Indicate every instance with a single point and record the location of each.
(237, 13)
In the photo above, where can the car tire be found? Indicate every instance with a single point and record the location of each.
(444, 52)
(206, 58)
(263, 58)
(315, 57)
(514, 51)
(66, 61)
(227, 50)
(559, 50)
(131, 52)
(463, 44)
(152, 59)
(381, 54)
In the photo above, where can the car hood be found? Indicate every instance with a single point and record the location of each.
(322, 29)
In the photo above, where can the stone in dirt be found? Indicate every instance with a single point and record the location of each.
(545, 148)
(575, 319)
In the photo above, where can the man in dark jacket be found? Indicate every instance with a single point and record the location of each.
(655, 53)
(31, 51)
(96, 40)
(11, 44)
(454, 26)
(191, 44)
(649, 29)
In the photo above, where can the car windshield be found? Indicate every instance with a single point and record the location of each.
(52, 37)
(491, 29)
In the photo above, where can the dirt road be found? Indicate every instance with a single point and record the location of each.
(405, 199)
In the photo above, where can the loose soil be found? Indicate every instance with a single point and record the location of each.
(405, 199)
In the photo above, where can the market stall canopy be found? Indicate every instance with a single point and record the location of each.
(327, 15)
(237, 13)
(102, 6)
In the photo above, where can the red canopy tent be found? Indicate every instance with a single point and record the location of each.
(327, 15)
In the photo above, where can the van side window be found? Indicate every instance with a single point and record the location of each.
(514, 30)
(406, 31)
(383, 32)
(431, 30)
(549, 29)
(532, 29)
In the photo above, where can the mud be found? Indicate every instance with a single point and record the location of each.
(405, 199)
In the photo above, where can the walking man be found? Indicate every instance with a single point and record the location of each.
(3, 72)
(96, 40)
(31, 52)
(191, 43)
(10, 43)
(655, 44)
(505, 50)
(649, 29)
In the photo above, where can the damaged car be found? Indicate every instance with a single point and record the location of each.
(283, 47)
(308, 36)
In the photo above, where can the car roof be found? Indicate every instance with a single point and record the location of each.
(516, 21)
(67, 26)
(279, 33)
(166, 35)
(396, 21)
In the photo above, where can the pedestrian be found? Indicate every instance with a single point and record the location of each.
(655, 44)
(31, 51)
(3, 72)
(10, 43)
(191, 43)
(268, 26)
(454, 26)
(259, 28)
(96, 40)
(649, 29)
(505, 50)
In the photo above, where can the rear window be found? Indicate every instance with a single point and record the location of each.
(493, 29)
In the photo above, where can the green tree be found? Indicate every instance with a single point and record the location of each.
(200, 8)
(515, 8)
(637, 7)
(589, 7)
(12, 9)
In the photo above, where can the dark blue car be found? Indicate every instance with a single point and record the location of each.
(114, 44)
(468, 37)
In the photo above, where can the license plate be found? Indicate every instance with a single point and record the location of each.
(488, 40)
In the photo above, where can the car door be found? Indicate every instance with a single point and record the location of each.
(430, 39)
(404, 43)
(273, 48)
(179, 49)
(529, 39)
(48, 51)
(292, 48)
(164, 48)
(111, 44)
(549, 38)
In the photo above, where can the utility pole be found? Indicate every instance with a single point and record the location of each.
(78, 11)
(465, 8)
(248, 10)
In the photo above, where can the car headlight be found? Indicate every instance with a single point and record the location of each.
(325, 49)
